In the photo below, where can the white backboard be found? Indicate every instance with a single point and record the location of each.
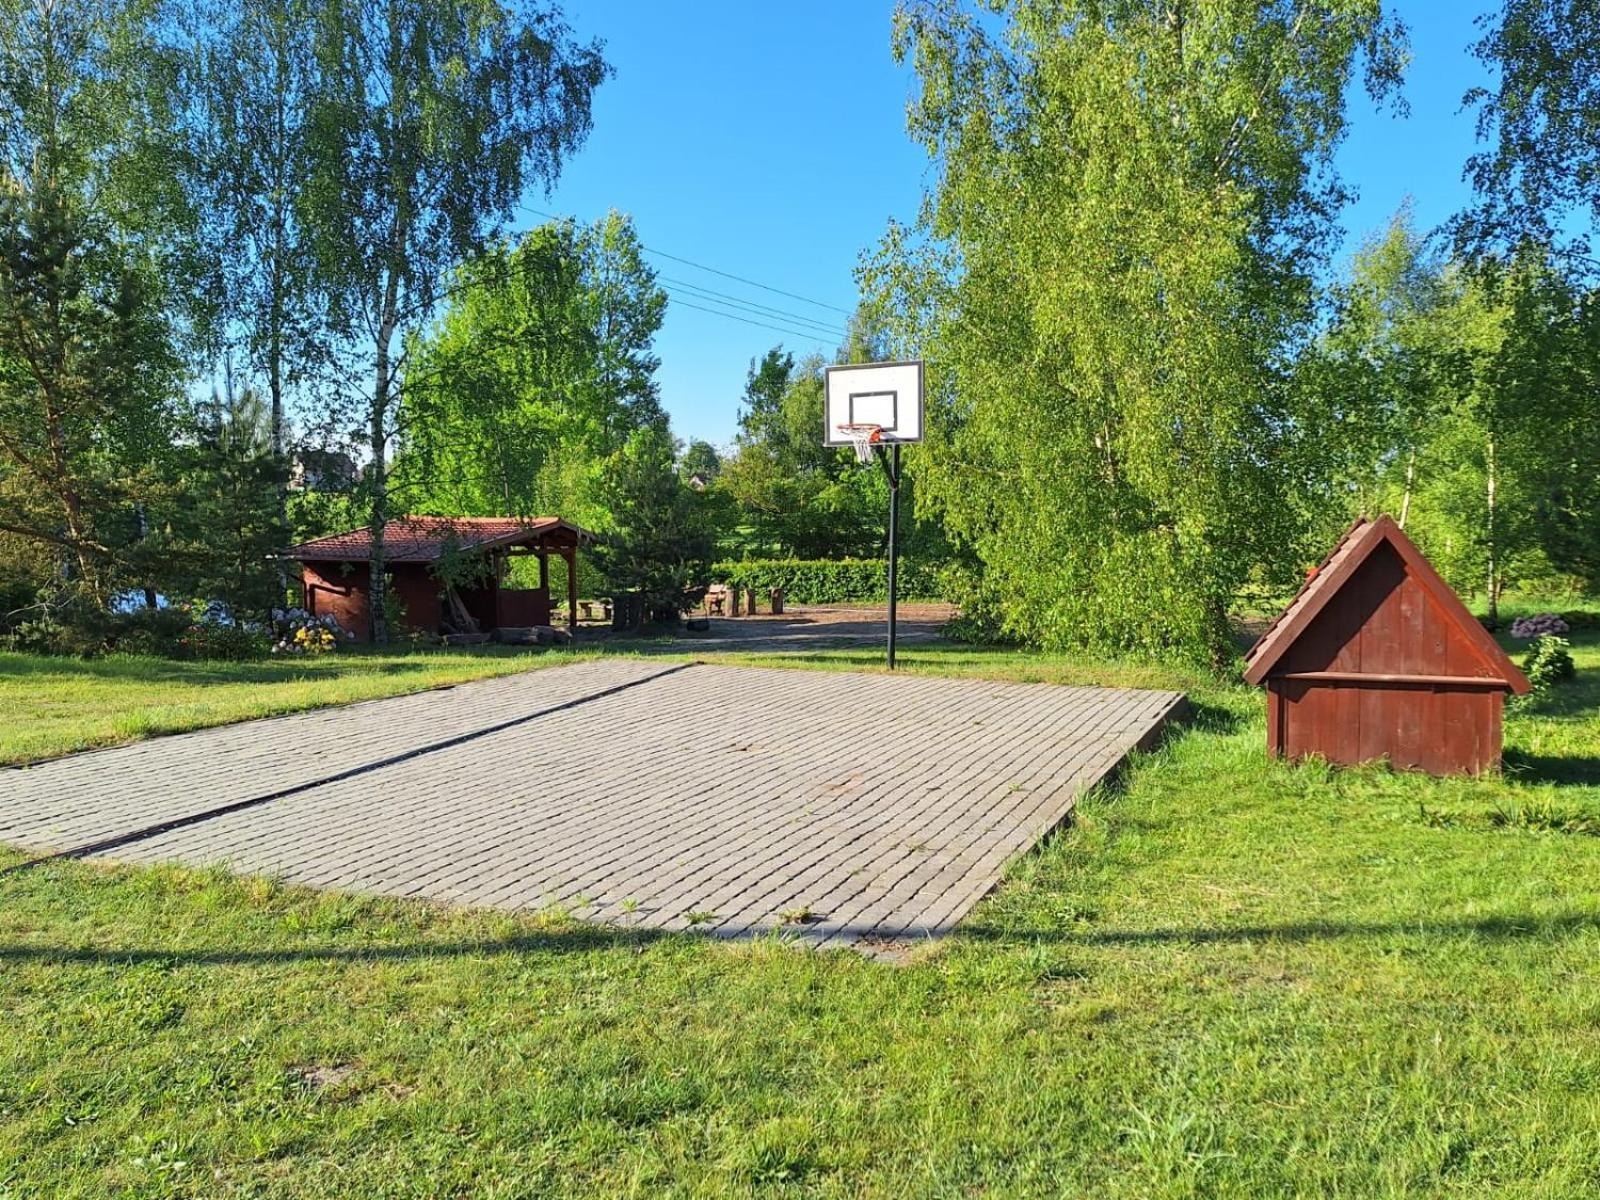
(886, 394)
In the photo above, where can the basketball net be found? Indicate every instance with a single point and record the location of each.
(863, 437)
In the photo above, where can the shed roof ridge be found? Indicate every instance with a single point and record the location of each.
(1316, 572)
(1339, 567)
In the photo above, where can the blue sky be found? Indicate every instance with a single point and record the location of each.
(725, 127)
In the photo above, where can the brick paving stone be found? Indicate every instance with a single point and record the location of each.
(628, 791)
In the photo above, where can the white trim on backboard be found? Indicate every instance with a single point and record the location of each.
(892, 390)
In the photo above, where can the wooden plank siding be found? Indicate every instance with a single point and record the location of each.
(1377, 659)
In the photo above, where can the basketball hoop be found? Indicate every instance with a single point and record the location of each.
(876, 406)
(863, 436)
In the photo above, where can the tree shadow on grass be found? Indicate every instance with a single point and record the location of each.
(205, 674)
(584, 938)
(1505, 928)
(580, 939)
(1564, 770)
(1209, 718)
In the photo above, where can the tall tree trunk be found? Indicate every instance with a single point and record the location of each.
(72, 505)
(143, 524)
(275, 387)
(382, 397)
(1493, 534)
(377, 594)
(1411, 478)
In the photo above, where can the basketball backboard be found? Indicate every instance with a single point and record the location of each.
(888, 395)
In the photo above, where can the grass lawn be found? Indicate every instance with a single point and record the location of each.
(57, 705)
(1229, 978)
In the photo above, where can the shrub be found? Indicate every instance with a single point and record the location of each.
(223, 643)
(59, 631)
(42, 635)
(1581, 618)
(1538, 626)
(155, 632)
(296, 631)
(830, 581)
(1548, 663)
(198, 630)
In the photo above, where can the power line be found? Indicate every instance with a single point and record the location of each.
(751, 306)
(811, 329)
(813, 337)
(689, 262)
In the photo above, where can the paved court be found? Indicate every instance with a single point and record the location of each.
(730, 799)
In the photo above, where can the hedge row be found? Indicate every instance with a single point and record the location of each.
(829, 581)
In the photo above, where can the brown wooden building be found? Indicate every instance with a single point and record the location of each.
(337, 577)
(1377, 658)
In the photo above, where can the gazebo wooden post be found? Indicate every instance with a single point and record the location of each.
(571, 555)
(499, 565)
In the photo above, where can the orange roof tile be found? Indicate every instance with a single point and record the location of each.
(424, 539)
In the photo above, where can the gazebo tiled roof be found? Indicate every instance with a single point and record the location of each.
(424, 539)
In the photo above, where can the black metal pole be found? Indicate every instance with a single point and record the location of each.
(894, 544)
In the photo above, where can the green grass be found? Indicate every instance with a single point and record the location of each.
(58, 705)
(1230, 978)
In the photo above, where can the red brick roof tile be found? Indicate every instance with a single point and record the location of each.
(423, 539)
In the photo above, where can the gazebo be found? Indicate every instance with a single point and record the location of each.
(337, 575)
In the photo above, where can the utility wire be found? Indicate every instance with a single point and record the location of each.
(812, 329)
(814, 337)
(689, 262)
(751, 306)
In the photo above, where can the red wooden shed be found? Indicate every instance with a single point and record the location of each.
(1377, 658)
(337, 577)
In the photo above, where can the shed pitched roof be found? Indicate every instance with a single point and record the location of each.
(424, 539)
(1338, 568)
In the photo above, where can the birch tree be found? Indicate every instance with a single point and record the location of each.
(1109, 275)
(257, 75)
(428, 122)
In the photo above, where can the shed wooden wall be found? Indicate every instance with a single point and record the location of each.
(341, 590)
(1438, 728)
(1391, 649)
(333, 590)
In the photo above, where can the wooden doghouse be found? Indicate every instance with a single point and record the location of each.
(1377, 658)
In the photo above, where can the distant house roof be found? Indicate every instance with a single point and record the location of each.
(1325, 582)
(425, 539)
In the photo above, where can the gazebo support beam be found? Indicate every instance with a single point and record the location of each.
(571, 555)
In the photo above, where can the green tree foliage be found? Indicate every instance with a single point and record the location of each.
(1369, 386)
(1515, 439)
(256, 75)
(1459, 398)
(702, 459)
(798, 497)
(91, 210)
(221, 532)
(428, 122)
(90, 105)
(87, 374)
(658, 539)
(1536, 176)
(1107, 277)
(539, 368)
